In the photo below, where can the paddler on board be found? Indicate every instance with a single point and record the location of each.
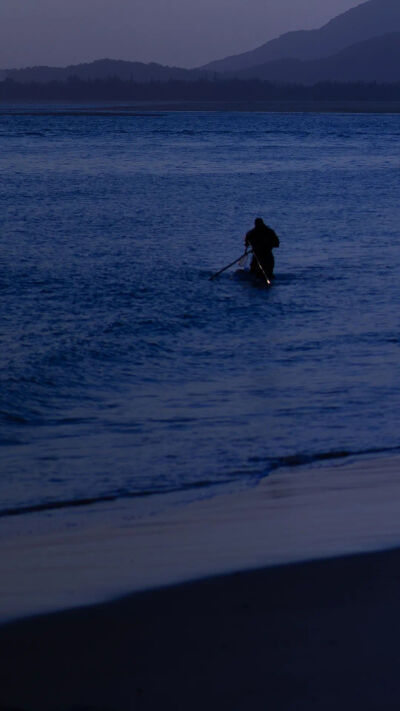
(262, 240)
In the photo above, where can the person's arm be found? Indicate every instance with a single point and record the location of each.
(274, 239)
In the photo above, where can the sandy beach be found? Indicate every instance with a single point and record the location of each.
(303, 623)
(311, 636)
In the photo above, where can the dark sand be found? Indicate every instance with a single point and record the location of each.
(321, 635)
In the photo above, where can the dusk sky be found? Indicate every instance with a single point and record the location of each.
(185, 33)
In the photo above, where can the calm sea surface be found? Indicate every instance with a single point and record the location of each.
(124, 371)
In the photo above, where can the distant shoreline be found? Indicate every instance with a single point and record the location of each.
(281, 106)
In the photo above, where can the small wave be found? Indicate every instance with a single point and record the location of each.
(10, 442)
(105, 498)
(18, 134)
(296, 460)
(299, 460)
(14, 418)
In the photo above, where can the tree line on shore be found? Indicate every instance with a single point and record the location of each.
(115, 89)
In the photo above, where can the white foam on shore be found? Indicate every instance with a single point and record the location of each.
(293, 515)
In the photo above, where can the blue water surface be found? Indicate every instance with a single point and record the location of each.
(124, 370)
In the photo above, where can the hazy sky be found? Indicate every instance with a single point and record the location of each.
(186, 33)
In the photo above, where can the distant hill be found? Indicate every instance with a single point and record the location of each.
(102, 69)
(376, 59)
(362, 44)
(370, 19)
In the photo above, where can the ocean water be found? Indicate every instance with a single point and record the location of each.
(124, 371)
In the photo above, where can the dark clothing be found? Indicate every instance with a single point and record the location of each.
(262, 239)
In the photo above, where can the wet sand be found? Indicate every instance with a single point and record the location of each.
(49, 563)
(285, 635)
(322, 635)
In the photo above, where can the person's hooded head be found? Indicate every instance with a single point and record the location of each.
(259, 222)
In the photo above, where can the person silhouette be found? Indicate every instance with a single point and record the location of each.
(262, 240)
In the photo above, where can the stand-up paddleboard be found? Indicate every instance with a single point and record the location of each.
(245, 275)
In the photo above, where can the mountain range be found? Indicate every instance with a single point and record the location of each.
(362, 44)
(376, 59)
(370, 19)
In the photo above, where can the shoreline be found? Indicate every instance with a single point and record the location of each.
(277, 106)
(56, 563)
(285, 596)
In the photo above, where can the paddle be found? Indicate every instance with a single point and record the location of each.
(262, 268)
(230, 265)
